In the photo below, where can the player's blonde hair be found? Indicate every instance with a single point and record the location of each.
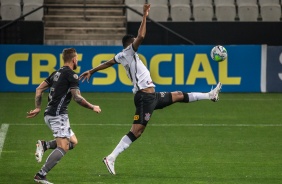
(68, 54)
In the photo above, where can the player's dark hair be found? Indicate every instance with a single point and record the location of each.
(127, 39)
(68, 54)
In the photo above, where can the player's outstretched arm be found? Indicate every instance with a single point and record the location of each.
(142, 29)
(86, 75)
(38, 99)
(84, 103)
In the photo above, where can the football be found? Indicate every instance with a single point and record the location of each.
(218, 53)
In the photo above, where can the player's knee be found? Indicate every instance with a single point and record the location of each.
(72, 145)
(74, 142)
(179, 96)
(64, 147)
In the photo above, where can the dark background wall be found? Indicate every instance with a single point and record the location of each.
(22, 32)
(201, 33)
(210, 33)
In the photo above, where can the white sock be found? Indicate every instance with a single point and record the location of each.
(195, 96)
(122, 145)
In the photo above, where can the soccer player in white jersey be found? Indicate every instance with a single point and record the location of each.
(146, 99)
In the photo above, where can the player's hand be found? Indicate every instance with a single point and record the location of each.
(85, 75)
(146, 9)
(33, 113)
(96, 108)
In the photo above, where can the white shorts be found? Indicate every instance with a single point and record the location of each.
(59, 125)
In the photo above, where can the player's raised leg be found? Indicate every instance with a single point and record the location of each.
(178, 96)
(39, 150)
(214, 92)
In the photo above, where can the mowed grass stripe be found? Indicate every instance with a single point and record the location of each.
(3, 132)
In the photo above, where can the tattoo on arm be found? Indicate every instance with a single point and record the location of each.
(80, 100)
(39, 93)
(38, 100)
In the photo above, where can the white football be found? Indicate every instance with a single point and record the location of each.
(218, 53)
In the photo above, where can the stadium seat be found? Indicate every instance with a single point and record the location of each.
(201, 2)
(248, 10)
(158, 2)
(159, 10)
(180, 10)
(185, 2)
(240, 2)
(216, 2)
(132, 16)
(137, 5)
(29, 5)
(269, 2)
(225, 10)
(202, 10)
(10, 9)
(135, 2)
(270, 10)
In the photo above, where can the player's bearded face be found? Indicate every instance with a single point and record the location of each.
(75, 62)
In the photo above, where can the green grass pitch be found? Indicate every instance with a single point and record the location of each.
(237, 140)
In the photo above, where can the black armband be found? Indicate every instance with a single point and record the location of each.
(186, 97)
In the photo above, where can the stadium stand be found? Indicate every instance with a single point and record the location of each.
(84, 26)
(10, 9)
(67, 25)
(225, 10)
(180, 10)
(270, 10)
(137, 5)
(159, 10)
(203, 10)
(29, 5)
(248, 10)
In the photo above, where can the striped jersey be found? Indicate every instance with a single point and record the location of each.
(60, 83)
(136, 71)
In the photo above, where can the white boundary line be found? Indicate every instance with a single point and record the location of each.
(168, 125)
(3, 132)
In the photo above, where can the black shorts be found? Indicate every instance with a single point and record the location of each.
(146, 103)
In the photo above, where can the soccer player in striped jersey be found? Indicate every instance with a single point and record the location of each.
(63, 85)
(146, 100)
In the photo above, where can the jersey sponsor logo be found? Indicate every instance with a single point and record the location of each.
(75, 76)
(136, 117)
(147, 116)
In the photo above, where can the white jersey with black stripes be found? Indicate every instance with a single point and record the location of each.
(136, 71)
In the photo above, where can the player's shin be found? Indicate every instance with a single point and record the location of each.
(52, 160)
(123, 144)
(195, 96)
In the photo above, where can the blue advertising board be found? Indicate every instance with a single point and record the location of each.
(273, 69)
(184, 68)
